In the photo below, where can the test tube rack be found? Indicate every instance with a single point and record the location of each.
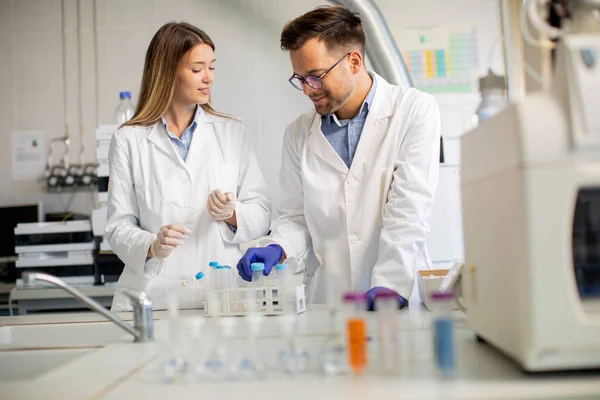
(270, 301)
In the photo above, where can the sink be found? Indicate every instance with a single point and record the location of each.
(44, 336)
(29, 351)
(25, 365)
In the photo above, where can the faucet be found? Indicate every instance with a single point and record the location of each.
(142, 329)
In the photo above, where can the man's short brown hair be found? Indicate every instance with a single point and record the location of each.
(336, 26)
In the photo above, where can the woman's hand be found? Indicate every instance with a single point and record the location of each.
(168, 238)
(221, 206)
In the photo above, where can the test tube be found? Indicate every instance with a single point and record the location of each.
(213, 279)
(251, 364)
(220, 272)
(293, 358)
(443, 332)
(201, 278)
(174, 361)
(333, 356)
(287, 289)
(283, 274)
(225, 276)
(257, 273)
(225, 284)
(386, 305)
(232, 272)
(196, 347)
(356, 330)
(219, 364)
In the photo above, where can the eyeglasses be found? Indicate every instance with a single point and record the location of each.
(315, 82)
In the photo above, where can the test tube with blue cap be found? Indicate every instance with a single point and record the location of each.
(201, 278)
(257, 273)
(287, 288)
(282, 272)
(257, 282)
(224, 281)
(443, 332)
(224, 276)
(213, 265)
(213, 300)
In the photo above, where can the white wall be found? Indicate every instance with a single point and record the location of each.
(251, 80)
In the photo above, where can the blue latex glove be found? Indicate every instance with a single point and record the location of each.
(374, 291)
(269, 256)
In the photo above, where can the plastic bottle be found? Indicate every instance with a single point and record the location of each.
(125, 109)
(493, 97)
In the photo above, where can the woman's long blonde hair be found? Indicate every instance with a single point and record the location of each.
(169, 44)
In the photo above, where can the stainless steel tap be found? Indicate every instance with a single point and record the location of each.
(142, 329)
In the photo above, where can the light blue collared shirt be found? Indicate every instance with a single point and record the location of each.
(343, 135)
(183, 145)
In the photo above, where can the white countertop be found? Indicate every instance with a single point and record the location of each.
(126, 370)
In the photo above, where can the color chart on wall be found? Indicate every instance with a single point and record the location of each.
(441, 58)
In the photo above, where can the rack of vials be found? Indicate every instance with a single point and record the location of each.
(275, 294)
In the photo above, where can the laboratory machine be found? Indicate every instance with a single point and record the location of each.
(108, 266)
(531, 207)
(63, 249)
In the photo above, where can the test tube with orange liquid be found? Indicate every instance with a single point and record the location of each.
(356, 331)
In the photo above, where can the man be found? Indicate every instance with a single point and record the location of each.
(358, 176)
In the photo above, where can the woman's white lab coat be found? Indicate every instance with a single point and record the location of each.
(366, 224)
(151, 186)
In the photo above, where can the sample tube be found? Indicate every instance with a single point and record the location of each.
(213, 278)
(201, 278)
(219, 364)
(334, 360)
(287, 289)
(356, 330)
(293, 358)
(257, 273)
(386, 305)
(226, 277)
(443, 332)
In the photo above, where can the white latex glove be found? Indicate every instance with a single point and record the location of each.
(221, 206)
(167, 239)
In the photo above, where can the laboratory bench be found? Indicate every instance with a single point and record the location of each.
(82, 356)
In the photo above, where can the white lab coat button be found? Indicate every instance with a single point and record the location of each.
(353, 240)
(351, 179)
(186, 282)
(183, 181)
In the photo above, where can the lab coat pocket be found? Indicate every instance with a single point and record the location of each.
(225, 178)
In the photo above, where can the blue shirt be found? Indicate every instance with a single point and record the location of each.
(343, 135)
(182, 145)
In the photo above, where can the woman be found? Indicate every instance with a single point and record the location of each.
(185, 186)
